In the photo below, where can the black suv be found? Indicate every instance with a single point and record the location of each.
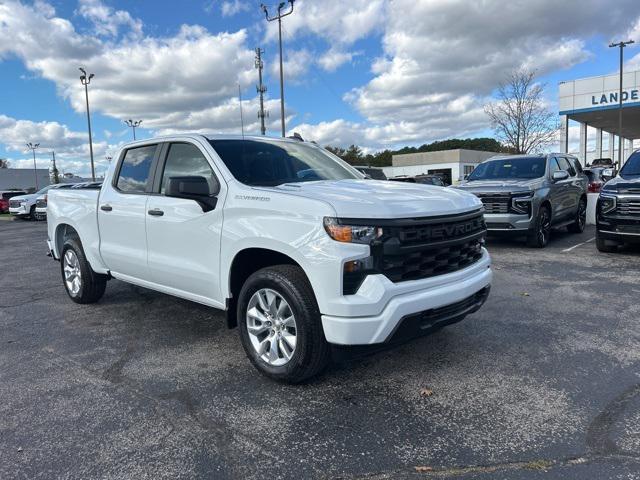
(618, 209)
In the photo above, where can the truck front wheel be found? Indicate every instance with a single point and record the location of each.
(82, 284)
(280, 326)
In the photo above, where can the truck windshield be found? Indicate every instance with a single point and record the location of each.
(269, 163)
(510, 168)
(632, 167)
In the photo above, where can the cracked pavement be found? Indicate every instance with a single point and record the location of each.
(542, 382)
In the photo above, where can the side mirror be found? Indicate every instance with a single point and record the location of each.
(608, 173)
(560, 175)
(194, 188)
(466, 177)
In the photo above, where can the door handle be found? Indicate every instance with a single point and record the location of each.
(106, 207)
(156, 212)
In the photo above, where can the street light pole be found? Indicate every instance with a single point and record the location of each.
(33, 147)
(621, 46)
(279, 18)
(86, 80)
(133, 124)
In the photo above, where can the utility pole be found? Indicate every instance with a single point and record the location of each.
(241, 117)
(261, 89)
(621, 46)
(33, 147)
(133, 125)
(54, 170)
(279, 18)
(86, 80)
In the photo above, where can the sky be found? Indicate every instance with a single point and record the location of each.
(377, 73)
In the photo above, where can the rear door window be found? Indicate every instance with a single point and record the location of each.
(135, 171)
(566, 165)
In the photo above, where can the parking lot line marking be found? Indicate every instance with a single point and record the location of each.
(579, 245)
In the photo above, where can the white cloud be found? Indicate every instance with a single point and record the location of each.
(332, 59)
(71, 148)
(442, 60)
(335, 21)
(234, 7)
(107, 21)
(162, 80)
(296, 64)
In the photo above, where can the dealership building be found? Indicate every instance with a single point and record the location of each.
(594, 104)
(451, 165)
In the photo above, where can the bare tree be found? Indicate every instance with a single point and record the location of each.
(4, 163)
(520, 117)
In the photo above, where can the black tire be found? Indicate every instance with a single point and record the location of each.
(32, 213)
(581, 218)
(92, 284)
(311, 354)
(606, 246)
(539, 237)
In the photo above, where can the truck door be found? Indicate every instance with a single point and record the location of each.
(183, 238)
(559, 192)
(571, 187)
(122, 212)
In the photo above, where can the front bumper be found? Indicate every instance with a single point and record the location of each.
(625, 229)
(507, 222)
(19, 211)
(399, 301)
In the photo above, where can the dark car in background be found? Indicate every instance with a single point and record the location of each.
(618, 208)
(376, 173)
(5, 195)
(425, 179)
(528, 195)
(598, 176)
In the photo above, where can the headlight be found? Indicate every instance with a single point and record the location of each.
(521, 202)
(607, 203)
(351, 233)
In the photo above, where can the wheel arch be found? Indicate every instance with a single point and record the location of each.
(246, 262)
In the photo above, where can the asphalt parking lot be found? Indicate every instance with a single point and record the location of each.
(542, 382)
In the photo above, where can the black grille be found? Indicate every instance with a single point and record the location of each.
(41, 203)
(628, 207)
(435, 247)
(14, 203)
(495, 202)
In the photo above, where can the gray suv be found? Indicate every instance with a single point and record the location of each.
(530, 194)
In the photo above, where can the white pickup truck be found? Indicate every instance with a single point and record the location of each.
(299, 248)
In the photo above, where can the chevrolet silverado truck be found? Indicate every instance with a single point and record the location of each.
(299, 248)
(528, 195)
(618, 208)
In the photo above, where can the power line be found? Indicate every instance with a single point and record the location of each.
(261, 89)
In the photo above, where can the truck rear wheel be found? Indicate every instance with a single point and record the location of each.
(82, 284)
(581, 218)
(280, 326)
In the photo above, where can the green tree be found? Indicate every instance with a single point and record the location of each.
(4, 163)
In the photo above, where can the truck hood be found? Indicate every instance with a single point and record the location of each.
(499, 186)
(383, 199)
(629, 184)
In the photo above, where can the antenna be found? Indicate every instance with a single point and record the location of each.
(241, 118)
(261, 89)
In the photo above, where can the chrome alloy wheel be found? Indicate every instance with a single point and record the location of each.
(72, 274)
(271, 326)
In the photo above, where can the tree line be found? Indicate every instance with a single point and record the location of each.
(355, 156)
